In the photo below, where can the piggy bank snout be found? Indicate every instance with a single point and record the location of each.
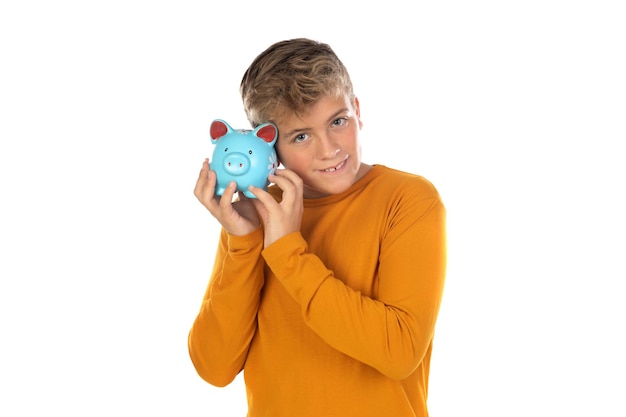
(236, 163)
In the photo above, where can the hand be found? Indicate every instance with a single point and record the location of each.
(238, 217)
(280, 219)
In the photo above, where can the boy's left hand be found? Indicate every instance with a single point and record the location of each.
(280, 219)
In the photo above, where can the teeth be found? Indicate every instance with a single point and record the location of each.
(335, 168)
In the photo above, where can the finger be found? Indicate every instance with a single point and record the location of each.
(283, 183)
(202, 180)
(227, 196)
(206, 181)
(205, 167)
(204, 171)
(291, 176)
(263, 196)
(291, 185)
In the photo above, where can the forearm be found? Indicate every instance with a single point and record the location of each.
(391, 335)
(389, 328)
(222, 331)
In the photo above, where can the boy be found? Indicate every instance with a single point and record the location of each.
(326, 288)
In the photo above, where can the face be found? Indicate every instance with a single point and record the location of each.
(322, 146)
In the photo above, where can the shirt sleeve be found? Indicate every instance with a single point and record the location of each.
(393, 331)
(223, 329)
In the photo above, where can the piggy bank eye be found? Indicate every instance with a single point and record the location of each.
(225, 149)
(250, 152)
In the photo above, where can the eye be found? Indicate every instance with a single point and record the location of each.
(250, 152)
(225, 149)
(340, 121)
(301, 137)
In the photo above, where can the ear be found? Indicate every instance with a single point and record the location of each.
(218, 129)
(357, 111)
(268, 132)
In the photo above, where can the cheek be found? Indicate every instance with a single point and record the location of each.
(280, 154)
(293, 160)
(289, 161)
(284, 155)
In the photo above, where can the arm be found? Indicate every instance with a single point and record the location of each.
(393, 332)
(223, 329)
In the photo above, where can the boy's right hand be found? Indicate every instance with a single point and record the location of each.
(237, 217)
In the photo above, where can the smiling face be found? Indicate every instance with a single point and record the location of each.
(322, 146)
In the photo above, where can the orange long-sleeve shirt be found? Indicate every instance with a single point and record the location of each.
(338, 319)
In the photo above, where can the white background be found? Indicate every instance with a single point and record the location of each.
(514, 110)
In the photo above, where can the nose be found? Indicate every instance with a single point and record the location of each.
(236, 163)
(327, 147)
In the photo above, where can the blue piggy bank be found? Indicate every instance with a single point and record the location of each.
(245, 156)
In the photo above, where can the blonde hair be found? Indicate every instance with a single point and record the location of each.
(291, 76)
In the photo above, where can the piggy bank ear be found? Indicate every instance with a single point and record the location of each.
(218, 129)
(268, 132)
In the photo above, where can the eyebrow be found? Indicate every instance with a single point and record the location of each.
(304, 129)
